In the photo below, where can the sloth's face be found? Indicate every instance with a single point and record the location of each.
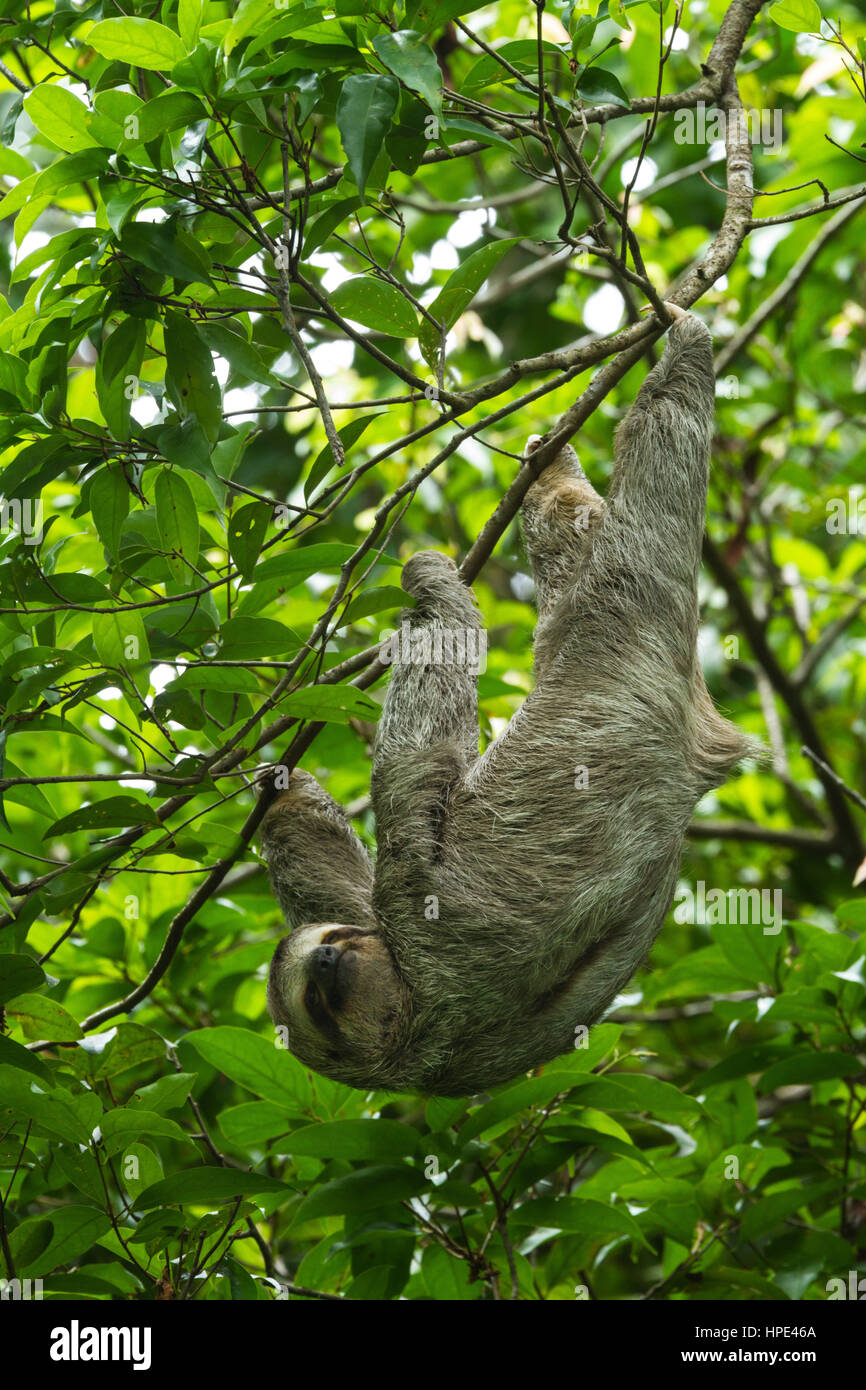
(336, 991)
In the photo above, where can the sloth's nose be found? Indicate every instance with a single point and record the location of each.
(324, 963)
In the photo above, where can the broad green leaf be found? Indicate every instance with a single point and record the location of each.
(177, 519)
(369, 1189)
(353, 1139)
(109, 504)
(17, 975)
(189, 17)
(138, 1167)
(12, 1054)
(74, 1230)
(55, 112)
(579, 1216)
(377, 304)
(129, 1044)
(168, 1093)
(69, 1116)
(120, 638)
(254, 637)
(304, 561)
(189, 376)
(246, 532)
(253, 1122)
(169, 111)
(328, 222)
(458, 292)
(263, 1068)
(120, 1125)
(334, 704)
(412, 60)
(167, 249)
(808, 1067)
(41, 1017)
(366, 105)
(801, 16)
(140, 43)
(111, 813)
(323, 463)
(770, 1210)
(208, 1186)
(596, 86)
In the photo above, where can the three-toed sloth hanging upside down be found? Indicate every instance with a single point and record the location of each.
(513, 895)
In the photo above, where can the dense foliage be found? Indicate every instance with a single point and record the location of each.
(286, 286)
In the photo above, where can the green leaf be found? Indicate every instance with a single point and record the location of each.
(111, 813)
(41, 1017)
(747, 948)
(26, 1243)
(596, 86)
(808, 1067)
(55, 112)
(638, 1092)
(247, 18)
(457, 126)
(208, 1186)
(323, 463)
(333, 704)
(119, 1125)
(74, 1230)
(129, 1045)
(69, 1116)
(253, 1122)
(375, 600)
(167, 249)
(109, 503)
(189, 17)
(772, 1210)
(168, 111)
(139, 1168)
(800, 16)
(189, 375)
(304, 561)
(458, 292)
(177, 519)
(353, 1139)
(263, 1068)
(139, 43)
(254, 637)
(120, 639)
(246, 532)
(366, 1190)
(168, 1093)
(17, 974)
(533, 1090)
(366, 105)
(412, 60)
(321, 229)
(377, 304)
(580, 1216)
(12, 1054)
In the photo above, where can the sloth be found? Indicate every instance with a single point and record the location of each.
(514, 894)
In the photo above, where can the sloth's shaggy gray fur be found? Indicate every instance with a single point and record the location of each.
(513, 895)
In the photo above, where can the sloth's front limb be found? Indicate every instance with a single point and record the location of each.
(661, 461)
(559, 516)
(428, 732)
(435, 658)
(319, 870)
